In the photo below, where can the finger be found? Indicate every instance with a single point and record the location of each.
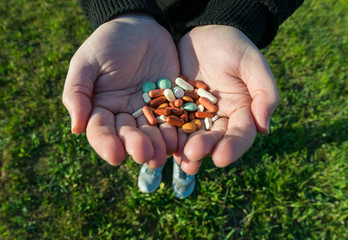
(136, 143)
(102, 136)
(237, 140)
(170, 137)
(262, 88)
(187, 166)
(182, 139)
(202, 143)
(77, 93)
(154, 134)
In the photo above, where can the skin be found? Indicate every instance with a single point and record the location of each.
(239, 75)
(104, 87)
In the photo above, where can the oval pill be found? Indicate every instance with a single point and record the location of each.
(203, 114)
(149, 115)
(203, 93)
(168, 93)
(189, 127)
(197, 122)
(148, 86)
(207, 104)
(183, 84)
(187, 99)
(163, 105)
(200, 108)
(174, 121)
(208, 123)
(190, 106)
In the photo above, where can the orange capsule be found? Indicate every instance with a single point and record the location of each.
(149, 115)
(157, 101)
(201, 85)
(207, 104)
(171, 104)
(178, 103)
(184, 116)
(161, 111)
(204, 114)
(175, 111)
(192, 82)
(192, 95)
(174, 121)
(156, 93)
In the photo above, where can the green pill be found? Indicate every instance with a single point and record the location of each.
(164, 83)
(148, 86)
(190, 107)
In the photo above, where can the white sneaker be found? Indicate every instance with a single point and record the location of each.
(183, 183)
(149, 179)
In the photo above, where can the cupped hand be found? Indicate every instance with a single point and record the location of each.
(239, 76)
(104, 87)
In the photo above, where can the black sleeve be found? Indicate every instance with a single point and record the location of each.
(259, 20)
(101, 11)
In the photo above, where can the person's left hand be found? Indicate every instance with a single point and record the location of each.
(239, 76)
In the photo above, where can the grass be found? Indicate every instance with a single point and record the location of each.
(290, 185)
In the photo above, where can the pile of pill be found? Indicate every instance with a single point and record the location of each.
(183, 106)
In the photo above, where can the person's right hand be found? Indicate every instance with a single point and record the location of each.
(104, 87)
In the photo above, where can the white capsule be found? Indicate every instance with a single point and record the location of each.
(138, 113)
(216, 117)
(183, 84)
(179, 92)
(203, 93)
(161, 119)
(146, 97)
(208, 123)
(200, 108)
(168, 93)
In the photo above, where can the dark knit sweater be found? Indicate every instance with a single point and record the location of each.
(258, 19)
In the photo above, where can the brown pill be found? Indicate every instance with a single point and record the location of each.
(149, 115)
(157, 101)
(156, 93)
(174, 121)
(191, 116)
(171, 104)
(161, 111)
(192, 95)
(184, 116)
(175, 111)
(207, 104)
(189, 127)
(197, 122)
(187, 99)
(163, 105)
(192, 82)
(178, 103)
(203, 114)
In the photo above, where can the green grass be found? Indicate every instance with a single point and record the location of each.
(290, 185)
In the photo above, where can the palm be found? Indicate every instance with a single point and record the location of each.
(118, 58)
(217, 56)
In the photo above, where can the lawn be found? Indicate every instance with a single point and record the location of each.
(291, 184)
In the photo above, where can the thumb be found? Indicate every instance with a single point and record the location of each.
(77, 93)
(263, 91)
